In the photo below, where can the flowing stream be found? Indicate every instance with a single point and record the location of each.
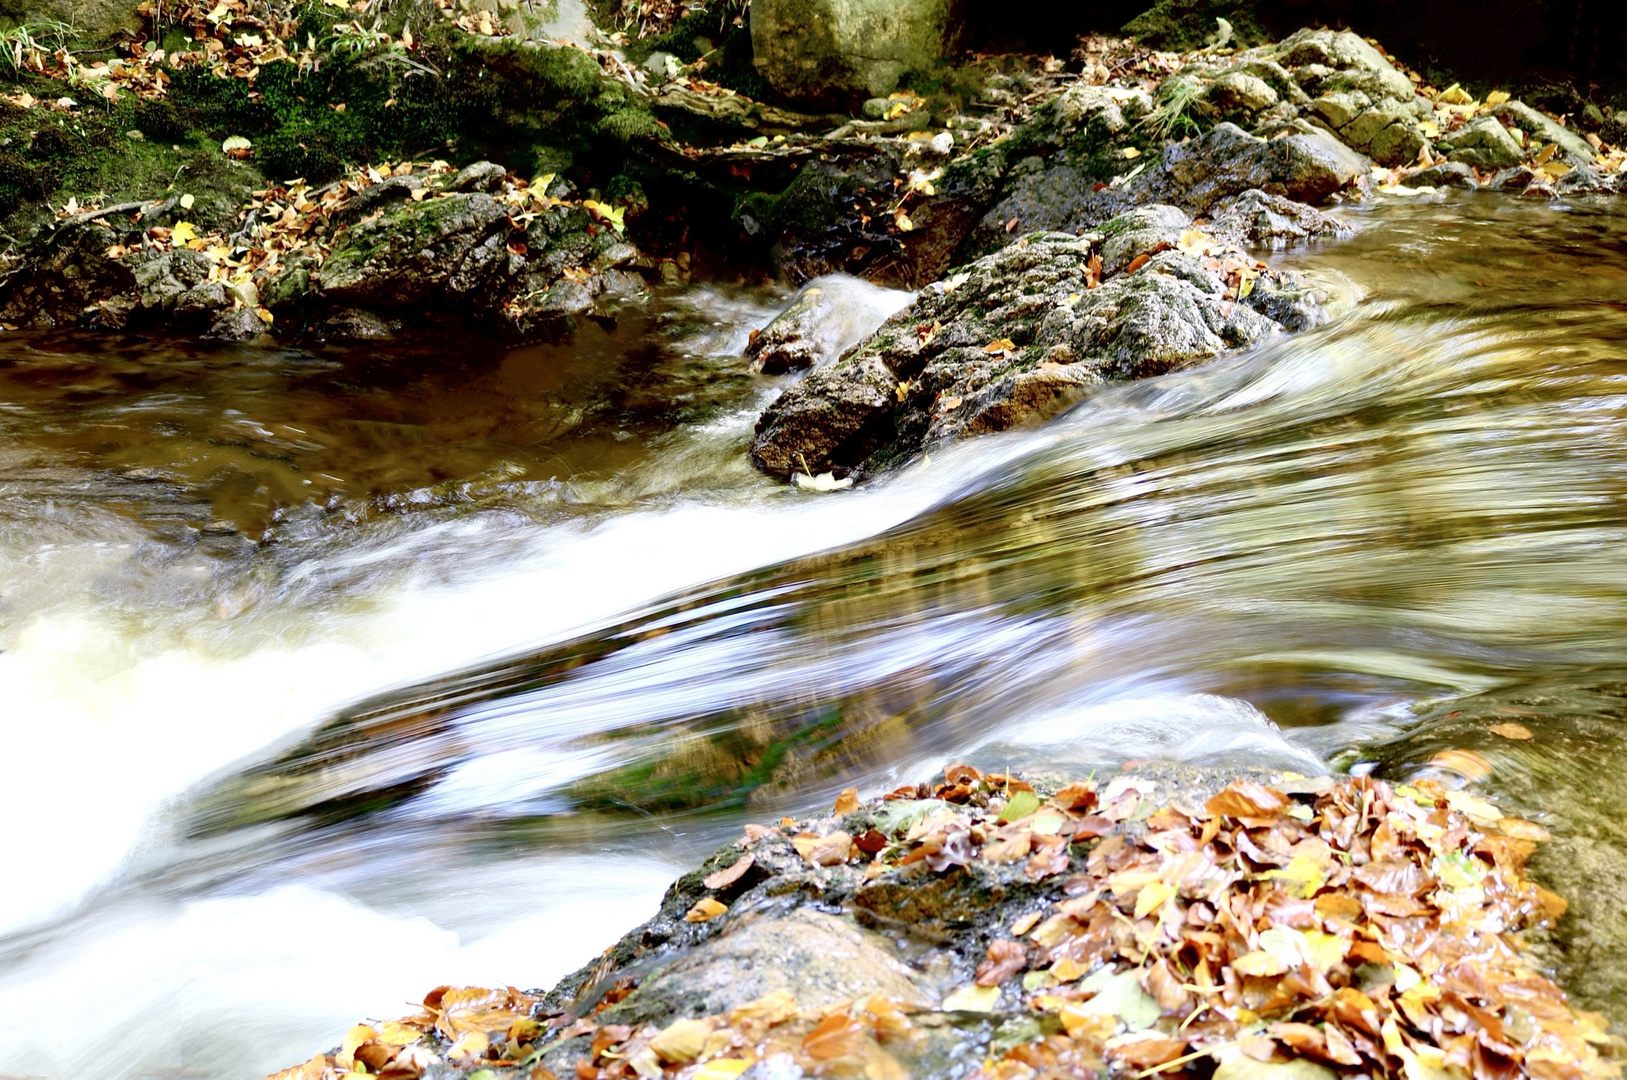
(330, 676)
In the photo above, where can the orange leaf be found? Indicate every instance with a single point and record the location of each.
(705, 910)
(1137, 263)
(730, 874)
(847, 802)
(1511, 731)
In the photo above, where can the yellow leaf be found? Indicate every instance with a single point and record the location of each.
(1496, 98)
(183, 234)
(187, 201)
(1004, 345)
(1195, 242)
(902, 220)
(681, 1042)
(1259, 963)
(471, 1045)
(1511, 731)
(705, 910)
(1303, 873)
(972, 999)
(1152, 897)
(1455, 95)
(1131, 152)
(721, 1069)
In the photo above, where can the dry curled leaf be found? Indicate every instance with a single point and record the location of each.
(722, 879)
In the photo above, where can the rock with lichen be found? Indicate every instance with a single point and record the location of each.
(1019, 334)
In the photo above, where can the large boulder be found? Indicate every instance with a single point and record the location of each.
(1020, 333)
(449, 248)
(826, 317)
(827, 49)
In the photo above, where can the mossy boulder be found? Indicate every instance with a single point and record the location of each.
(447, 249)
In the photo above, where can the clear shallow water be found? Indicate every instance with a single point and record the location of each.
(1312, 553)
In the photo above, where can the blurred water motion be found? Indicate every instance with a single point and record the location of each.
(1309, 554)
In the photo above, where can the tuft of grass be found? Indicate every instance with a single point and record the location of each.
(1180, 112)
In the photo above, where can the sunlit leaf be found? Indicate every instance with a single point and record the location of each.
(972, 998)
(705, 910)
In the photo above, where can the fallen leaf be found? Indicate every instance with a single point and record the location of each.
(972, 998)
(1137, 263)
(705, 910)
(722, 879)
(1003, 345)
(829, 850)
(681, 1042)
(847, 802)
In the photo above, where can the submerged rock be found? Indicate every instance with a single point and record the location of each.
(1020, 333)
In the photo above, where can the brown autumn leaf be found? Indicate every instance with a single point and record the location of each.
(829, 850)
(1137, 263)
(1003, 345)
(1004, 959)
(871, 842)
(847, 802)
(705, 910)
(1511, 731)
(722, 879)
(837, 1036)
(1077, 797)
(1245, 799)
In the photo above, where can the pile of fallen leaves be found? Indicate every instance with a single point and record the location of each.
(1307, 931)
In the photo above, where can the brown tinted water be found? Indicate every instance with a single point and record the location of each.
(1354, 547)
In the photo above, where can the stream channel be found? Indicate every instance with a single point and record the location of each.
(332, 675)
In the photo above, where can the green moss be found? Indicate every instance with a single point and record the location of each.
(1184, 25)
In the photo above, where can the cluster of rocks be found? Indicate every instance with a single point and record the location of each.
(406, 249)
(1024, 331)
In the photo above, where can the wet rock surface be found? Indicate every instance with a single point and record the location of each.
(1025, 331)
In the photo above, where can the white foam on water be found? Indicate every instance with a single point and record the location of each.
(235, 987)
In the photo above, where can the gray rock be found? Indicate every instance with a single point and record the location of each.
(824, 319)
(1094, 114)
(1484, 143)
(1240, 91)
(1388, 133)
(486, 176)
(1331, 61)
(1447, 174)
(387, 192)
(1012, 338)
(819, 959)
(1143, 231)
(876, 108)
(1517, 178)
(1257, 219)
(1575, 149)
(165, 278)
(236, 325)
(1228, 161)
(1339, 109)
(354, 324)
(1589, 180)
(418, 252)
(820, 49)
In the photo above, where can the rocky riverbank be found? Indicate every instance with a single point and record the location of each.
(1169, 921)
(1068, 223)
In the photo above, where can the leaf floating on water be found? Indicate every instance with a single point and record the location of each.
(705, 910)
(730, 874)
(1511, 731)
